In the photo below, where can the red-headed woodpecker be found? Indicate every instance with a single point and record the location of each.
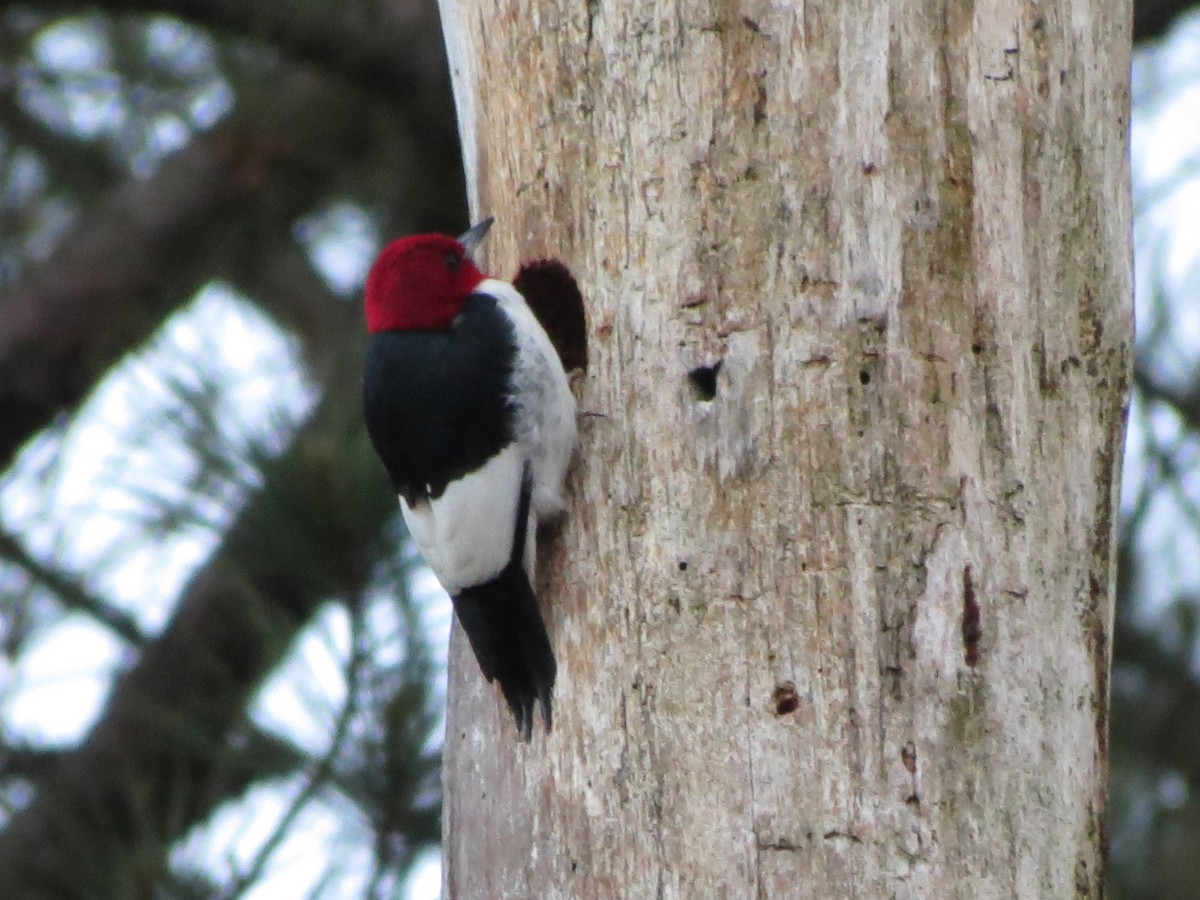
(469, 408)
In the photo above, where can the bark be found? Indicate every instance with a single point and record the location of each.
(833, 606)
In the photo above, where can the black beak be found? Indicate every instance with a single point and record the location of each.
(472, 238)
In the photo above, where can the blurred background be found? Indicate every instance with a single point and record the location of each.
(206, 605)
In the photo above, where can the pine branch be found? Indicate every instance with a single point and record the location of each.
(159, 759)
(257, 757)
(146, 248)
(392, 49)
(105, 290)
(1162, 720)
(1153, 18)
(71, 592)
(322, 771)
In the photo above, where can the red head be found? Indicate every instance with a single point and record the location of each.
(421, 281)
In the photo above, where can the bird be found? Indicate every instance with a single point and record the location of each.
(469, 408)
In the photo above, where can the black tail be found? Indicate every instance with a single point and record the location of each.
(506, 630)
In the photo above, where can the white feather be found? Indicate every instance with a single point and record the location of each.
(545, 421)
(466, 534)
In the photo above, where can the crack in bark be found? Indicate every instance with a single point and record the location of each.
(972, 629)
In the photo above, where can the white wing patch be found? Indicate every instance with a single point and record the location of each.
(466, 535)
(545, 422)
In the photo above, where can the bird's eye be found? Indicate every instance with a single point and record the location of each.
(452, 261)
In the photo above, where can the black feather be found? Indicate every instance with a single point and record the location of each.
(507, 632)
(436, 402)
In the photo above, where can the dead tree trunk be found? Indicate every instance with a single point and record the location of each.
(833, 606)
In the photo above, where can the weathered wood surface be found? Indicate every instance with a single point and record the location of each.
(842, 629)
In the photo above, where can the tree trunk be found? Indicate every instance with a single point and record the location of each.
(832, 608)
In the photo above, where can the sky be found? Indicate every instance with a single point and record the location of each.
(1165, 156)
